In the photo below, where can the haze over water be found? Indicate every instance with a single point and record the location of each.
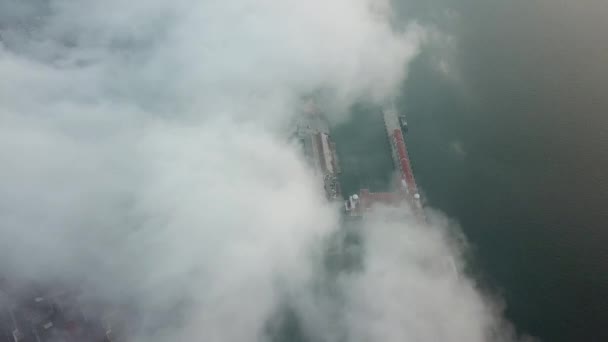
(145, 160)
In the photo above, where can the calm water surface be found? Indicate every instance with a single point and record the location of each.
(530, 194)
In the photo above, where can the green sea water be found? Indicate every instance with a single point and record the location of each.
(512, 191)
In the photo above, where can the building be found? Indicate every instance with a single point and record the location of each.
(34, 313)
(359, 204)
(312, 133)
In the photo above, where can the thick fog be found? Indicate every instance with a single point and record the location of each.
(144, 157)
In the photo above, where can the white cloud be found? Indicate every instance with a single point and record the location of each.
(143, 153)
(411, 289)
(407, 284)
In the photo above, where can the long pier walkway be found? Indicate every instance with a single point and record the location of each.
(395, 125)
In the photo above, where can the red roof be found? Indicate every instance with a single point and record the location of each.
(368, 199)
(404, 161)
